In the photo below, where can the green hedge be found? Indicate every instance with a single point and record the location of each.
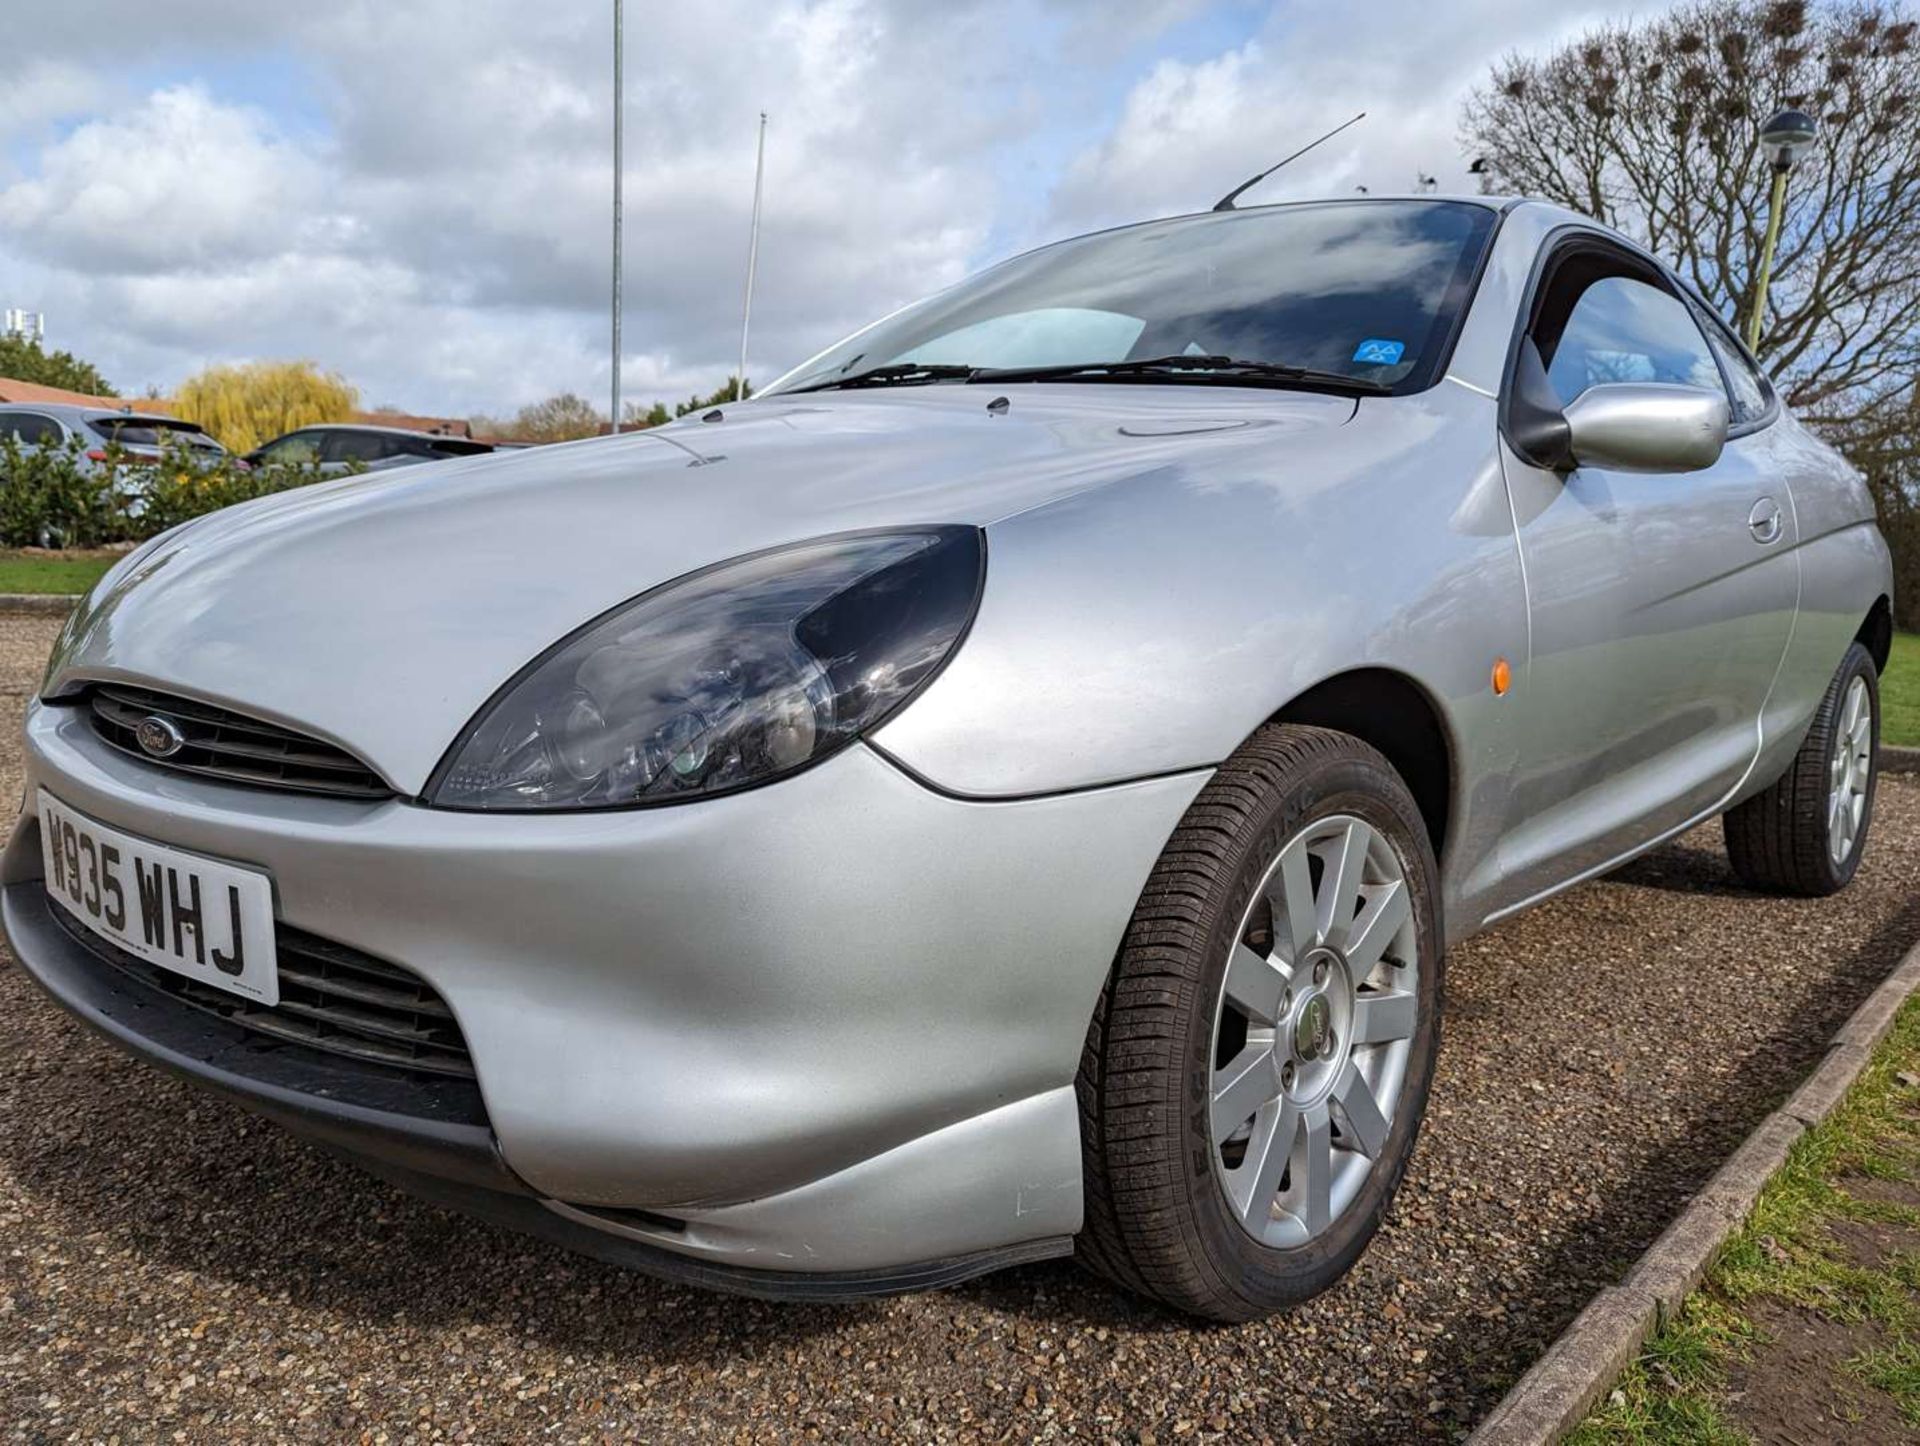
(55, 497)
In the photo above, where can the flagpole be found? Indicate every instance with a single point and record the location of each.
(753, 252)
(619, 129)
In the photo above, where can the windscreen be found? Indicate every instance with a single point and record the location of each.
(149, 431)
(1363, 289)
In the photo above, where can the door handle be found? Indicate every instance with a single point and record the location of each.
(1766, 521)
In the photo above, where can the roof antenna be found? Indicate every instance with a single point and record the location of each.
(1225, 203)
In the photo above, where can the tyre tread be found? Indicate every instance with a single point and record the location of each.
(1777, 840)
(1137, 1231)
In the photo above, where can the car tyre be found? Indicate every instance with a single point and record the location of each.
(1806, 833)
(1174, 1213)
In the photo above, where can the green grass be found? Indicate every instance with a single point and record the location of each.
(1897, 1372)
(1675, 1391)
(52, 571)
(1900, 693)
(1667, 1395)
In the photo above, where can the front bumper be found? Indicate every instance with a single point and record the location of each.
(825, 1026)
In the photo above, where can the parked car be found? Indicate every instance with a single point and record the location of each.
(1005, 791)
(124, 442)
(103, 433)
(336, 448)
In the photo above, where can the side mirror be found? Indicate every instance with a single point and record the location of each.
(1647, 427)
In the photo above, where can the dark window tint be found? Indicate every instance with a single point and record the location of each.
(357, 447)
(456, 447)
(30, 429)
(1747, 390)
(428, 448)
(1624, 330)
(1369, 290)
(149, 431)
(296, 448)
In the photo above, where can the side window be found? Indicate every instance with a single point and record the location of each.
(1747, 389)
(357, 447)
(1621, 329)
(30, 429)
(298, 449)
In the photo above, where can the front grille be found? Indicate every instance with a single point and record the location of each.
(332, 999)
(230, 746)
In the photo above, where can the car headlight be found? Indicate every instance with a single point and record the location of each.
(724, 679)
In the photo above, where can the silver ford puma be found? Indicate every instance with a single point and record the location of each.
(1006, 791)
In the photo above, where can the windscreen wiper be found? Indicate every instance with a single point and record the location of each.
(898, 374)
(1182, 366)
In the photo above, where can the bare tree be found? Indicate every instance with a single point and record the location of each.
(557, 419)
(1653, 127)
(1890, 458)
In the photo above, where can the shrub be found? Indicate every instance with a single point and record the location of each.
(49, 497)
(181, 491)
(54, 497)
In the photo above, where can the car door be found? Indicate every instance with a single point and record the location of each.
(1660, 603)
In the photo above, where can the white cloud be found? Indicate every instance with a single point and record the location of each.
(445, 198)
(417, 194)
(1189, 131)
(179, 183)
(42, 90)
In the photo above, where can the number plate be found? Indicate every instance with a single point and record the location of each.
(209, 921)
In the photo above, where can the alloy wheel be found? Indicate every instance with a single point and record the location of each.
(1314, 1031)
(1850, 771)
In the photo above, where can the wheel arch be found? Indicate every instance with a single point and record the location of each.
(1876, 633)
(1394, 713)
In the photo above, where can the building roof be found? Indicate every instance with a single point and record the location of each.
(384, 427)
(437, 426)
(16, 393)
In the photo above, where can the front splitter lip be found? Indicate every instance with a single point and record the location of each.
(573, 1230)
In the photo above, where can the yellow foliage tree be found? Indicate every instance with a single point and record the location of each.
(247, 405)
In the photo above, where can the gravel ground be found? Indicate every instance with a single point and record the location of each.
(174, 1269)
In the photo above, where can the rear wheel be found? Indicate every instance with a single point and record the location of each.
(1255, 1074)
(1806, 833)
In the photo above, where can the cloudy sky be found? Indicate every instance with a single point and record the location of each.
(416, 192)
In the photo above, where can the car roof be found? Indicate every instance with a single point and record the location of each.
(111, 414)
(376, 427)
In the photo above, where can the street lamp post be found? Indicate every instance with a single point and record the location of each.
(1782, 140)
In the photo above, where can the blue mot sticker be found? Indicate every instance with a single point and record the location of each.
(1375, 352)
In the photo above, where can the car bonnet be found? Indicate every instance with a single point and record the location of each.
(381, 612)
